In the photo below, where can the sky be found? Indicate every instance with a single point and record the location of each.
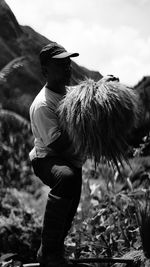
(111, 36)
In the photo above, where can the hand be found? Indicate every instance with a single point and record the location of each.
(109, 78)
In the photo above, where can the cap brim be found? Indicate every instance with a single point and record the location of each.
(66, 54)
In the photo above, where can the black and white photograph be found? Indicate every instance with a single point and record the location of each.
(74, 133)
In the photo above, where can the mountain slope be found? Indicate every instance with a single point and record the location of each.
(143, 90)
(21, 84)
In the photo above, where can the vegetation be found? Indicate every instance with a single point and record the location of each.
(113, 215)
(20, 224)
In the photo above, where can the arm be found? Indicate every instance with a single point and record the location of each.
(51, 134)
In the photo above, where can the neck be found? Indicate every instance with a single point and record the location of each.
(59, 89)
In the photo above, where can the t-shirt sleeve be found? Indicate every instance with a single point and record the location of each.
(47, 124)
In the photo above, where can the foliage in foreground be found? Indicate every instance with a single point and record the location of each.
(20, 226)
(106, 223)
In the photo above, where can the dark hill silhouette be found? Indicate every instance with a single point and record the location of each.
(10, 28)
(143, 89)
(20, 73)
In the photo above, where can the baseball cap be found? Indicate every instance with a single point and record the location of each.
(54, 50)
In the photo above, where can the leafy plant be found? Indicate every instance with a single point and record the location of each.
(106, 222)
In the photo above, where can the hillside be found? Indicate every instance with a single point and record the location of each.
(20, 74)
(143, 89)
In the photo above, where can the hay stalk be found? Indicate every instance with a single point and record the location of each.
(98, 117)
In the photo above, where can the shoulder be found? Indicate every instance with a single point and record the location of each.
(39, 101)
(43, 115)
(44, 109)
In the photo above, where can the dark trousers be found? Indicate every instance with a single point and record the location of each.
(64, 179)
(65, 182)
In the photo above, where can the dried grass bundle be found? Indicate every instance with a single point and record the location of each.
(98, 117)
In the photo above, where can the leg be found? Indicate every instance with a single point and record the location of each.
(69, 187)
(65, 182)
(74, 205)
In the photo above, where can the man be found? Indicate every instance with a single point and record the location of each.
(53, 157)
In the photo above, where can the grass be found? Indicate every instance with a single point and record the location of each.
(98, 117)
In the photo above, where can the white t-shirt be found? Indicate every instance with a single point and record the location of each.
(45, 125)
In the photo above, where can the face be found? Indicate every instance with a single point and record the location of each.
(59, 70)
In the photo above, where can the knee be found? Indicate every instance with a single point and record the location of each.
(69, 178)
(69, 184)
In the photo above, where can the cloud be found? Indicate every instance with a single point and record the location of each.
(121, 51)
(111, 36)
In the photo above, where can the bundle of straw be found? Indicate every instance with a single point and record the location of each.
(98, 117)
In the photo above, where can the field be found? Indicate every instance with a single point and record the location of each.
(113, 215)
